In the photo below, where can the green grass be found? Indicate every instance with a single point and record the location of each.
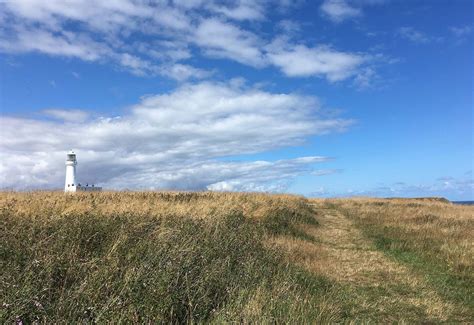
(284, 221)
(455, 287)
(403, 246)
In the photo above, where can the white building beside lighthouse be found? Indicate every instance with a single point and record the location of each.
(71, 184)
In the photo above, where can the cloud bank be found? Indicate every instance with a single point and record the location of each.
(184, 139)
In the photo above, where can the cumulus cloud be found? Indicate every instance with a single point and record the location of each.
(339, 10)
(222, 40)
(303, 61)
(175, 140)
(161, 38)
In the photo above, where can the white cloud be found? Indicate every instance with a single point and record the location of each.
(61, 44)
(261, 175)
(324, 172)
(273, 176)
(134, 64)
(289, 27)
(172, 51)
(80, 46)
(365, 78)
(339, 10)
(165, 35)
(100, 32)
(106, 16)
(236, 9)
(303, 61)
(67, 115)
(369, 2)
(413, 35)
(182, 72)
(172, 140)
(224, 40)
(452, 188)
(68, 44)
(461, 31)
(241, 10)
(416, 36)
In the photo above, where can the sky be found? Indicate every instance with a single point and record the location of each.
(327, 98)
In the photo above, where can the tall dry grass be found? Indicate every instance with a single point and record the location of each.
(200, 205)
(153, 257)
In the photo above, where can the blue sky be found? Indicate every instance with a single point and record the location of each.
(321, 98)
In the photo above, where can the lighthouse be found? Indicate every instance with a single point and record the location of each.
(71, 162)
(71, 184)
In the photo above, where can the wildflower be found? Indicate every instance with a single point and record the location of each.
(38, 304)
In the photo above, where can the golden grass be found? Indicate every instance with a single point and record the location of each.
(217, 257)
(200, 205)
(154, 257)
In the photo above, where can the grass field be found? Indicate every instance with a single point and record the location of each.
(232, 257)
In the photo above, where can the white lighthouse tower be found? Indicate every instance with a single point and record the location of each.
(71, 162)
(71, 184)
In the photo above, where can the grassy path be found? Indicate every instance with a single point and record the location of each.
(373, 286)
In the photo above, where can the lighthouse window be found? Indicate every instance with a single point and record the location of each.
(68, 185)
(72, 184)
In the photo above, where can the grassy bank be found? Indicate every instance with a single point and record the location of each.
(141, 257)
(232, 257)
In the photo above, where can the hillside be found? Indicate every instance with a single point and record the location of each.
(232, 257)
